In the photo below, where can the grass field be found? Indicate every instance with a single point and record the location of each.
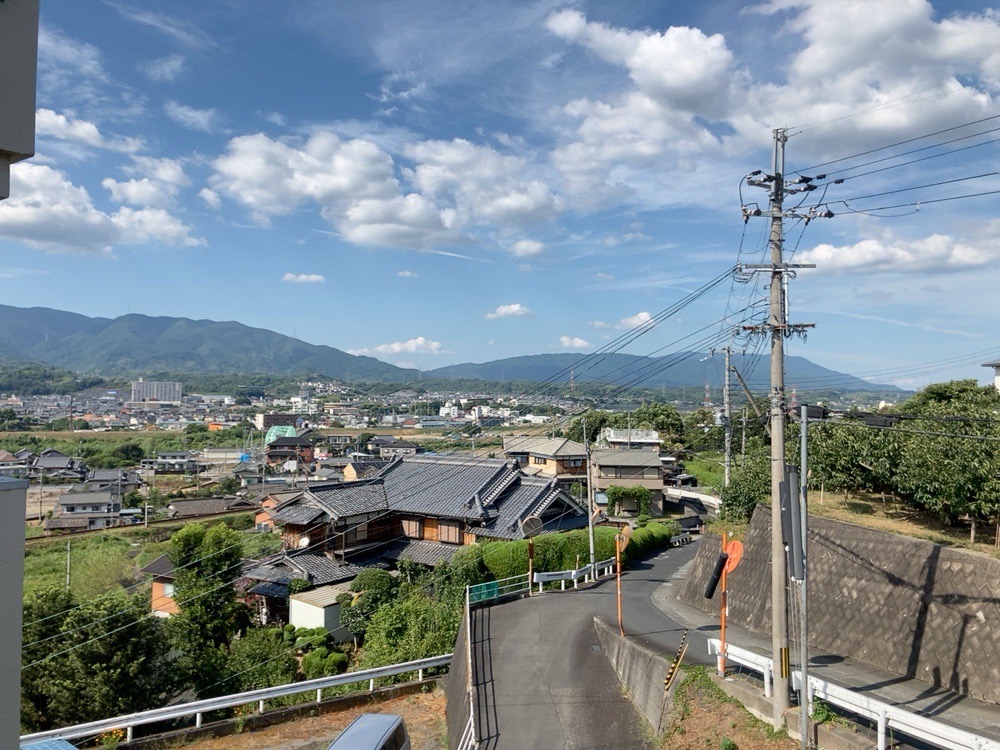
(99, 563)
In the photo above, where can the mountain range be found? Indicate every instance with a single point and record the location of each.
(139, 344)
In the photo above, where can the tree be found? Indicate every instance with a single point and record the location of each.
(207, 564)
(195, 428)
(260, 659)
(371, 589)
(949, 463)
(750, 483)
(113, 661)
(44, 614)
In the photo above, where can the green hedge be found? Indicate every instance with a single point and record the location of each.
(559, 551)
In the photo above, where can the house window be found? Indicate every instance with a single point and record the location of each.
(537, 460)
(448, 531)
(168, 589)
(575, 462)
(413, 528)
(361, 532)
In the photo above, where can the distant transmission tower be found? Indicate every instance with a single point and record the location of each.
(708, 396)
(572, 385)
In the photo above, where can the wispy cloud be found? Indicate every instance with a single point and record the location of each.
(418, 345)
(304, 278)
(205, 120)
(902, 323)
(407, 274)
(164, 69)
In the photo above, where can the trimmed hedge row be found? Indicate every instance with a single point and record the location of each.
(570, 550)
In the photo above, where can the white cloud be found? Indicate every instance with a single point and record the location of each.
(481, 184)
(210, 197)
(49, 123)
(409, 221)
(418, 345)
(204, 120)
(407, 274)
(601, 276)
(274, 177)
(526, 248)
(54, 125)
(304, 278)
(509, 311)
(172, 25)
(142, 192)
(573, 342)
(681, 68)
(634, 321)
(157, 183)
(163, 70)
(275, 118)
(935, 253)
(46, 210)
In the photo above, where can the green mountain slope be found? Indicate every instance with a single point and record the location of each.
(134, 344)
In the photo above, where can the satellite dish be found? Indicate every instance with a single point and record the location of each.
(303, 542)
(531, 526)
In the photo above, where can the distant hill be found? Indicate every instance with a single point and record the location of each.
(140, 344)
(134, 344)
(682, 369)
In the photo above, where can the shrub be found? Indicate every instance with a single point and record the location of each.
(323, 662)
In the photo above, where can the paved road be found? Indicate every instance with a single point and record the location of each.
(543, 680)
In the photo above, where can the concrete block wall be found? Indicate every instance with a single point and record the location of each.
(911, 607)
(641, 670)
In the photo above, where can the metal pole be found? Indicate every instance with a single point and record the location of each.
(779, 596)
(727, 415)
(68, 543)
(618, 561)
(803, 620)
(590, 507)
(722, 616)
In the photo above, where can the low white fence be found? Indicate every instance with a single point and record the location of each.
(197, 709)
(603, 566)
(887, 716)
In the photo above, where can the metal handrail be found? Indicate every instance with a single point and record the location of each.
(198, 708)
(905, 722)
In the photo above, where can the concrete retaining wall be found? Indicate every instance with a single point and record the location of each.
(457, 689)
(641, 670)
(911, 607)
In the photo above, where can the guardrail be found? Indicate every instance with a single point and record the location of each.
(886, 715)
(573, 575)
(492, 590)
(198, 708)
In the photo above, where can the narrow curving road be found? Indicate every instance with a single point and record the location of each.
(542, 678)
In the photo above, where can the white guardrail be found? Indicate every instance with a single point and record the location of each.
(199, 708)
(886, 715)
(605, 566)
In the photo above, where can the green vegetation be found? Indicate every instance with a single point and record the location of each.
(89, 660)
(650, 416)
(618, 496)
(708, 468)
(38, 380)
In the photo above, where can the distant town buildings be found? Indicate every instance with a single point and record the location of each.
(156, 390)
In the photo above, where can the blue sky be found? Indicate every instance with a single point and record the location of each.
(441, 182)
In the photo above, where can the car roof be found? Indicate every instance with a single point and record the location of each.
(368, 730)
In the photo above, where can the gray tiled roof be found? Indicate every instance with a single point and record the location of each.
(351, 499)
(298, 514)
(418, 551)
(160, 567)
(532, 497)
(320, 569)
(447, 487)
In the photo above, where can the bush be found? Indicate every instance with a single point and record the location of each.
(323, 662)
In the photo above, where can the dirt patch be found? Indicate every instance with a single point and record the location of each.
(422, 712)
(708, 719)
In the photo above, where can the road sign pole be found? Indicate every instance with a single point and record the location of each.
(722, 617)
